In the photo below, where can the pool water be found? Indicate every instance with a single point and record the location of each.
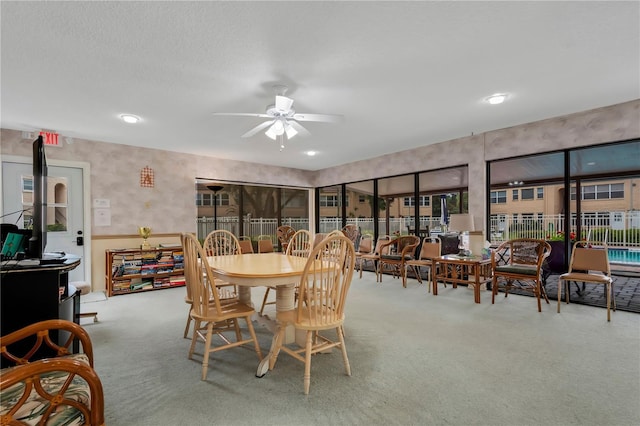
(629, 256)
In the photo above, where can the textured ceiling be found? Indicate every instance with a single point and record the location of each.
(403, 74)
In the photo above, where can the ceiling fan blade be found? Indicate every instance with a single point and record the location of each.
(301, 130)
(324, 118)
(259, 127)
(283, 104)
(242, 114)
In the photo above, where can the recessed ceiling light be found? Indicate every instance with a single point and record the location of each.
(129, 118)
(311, 153)
(496, 98)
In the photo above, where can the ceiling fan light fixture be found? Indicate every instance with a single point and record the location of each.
(270, 133)
(290, 131)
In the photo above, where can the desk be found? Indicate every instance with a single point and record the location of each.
(258, 270)
(454, 269)
(33, 293)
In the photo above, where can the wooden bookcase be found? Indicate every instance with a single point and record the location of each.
(135, 270)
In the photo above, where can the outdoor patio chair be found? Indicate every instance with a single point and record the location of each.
(589, 263)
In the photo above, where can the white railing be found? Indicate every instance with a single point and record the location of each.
(618, 229)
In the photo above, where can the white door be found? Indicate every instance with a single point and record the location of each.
(65, 201)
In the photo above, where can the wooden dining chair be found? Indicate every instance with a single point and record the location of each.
(431, 248)
(215, 317)
(221, 243)
(226, 292)
(324, 286)
(589, 264)
(299, 244)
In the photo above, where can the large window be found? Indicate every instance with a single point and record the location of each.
(329, 201)
(498, 197)
(527, 193)
(599, 192)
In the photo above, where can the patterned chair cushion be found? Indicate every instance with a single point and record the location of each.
(33, 409)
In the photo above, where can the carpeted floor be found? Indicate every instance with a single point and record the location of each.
(416, 359)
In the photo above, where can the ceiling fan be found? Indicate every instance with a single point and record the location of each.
(282, 120)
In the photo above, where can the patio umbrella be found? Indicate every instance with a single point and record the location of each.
(444, 215)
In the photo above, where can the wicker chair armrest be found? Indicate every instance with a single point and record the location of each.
(60, 386)
(42, 333)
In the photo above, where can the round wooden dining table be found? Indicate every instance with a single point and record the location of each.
(258, 270)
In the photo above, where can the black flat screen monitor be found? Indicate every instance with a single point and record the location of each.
(38, 239)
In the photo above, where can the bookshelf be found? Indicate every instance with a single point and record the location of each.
(135, 270)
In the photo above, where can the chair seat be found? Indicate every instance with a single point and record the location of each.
(395, 257)
(228, 310)
(419, 262)
(52, 382)
(517, 269)
(581, 276)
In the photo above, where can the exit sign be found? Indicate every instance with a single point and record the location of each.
(50, 138)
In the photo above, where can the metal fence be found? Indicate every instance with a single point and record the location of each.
(618, 229)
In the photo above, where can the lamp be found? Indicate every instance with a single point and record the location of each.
(215, 189)
(462, 223)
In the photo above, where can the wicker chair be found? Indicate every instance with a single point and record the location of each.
(60, 389)
(395, 254)
(284, 234)
(517, 263)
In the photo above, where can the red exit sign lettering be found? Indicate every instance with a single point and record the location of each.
(50, 138)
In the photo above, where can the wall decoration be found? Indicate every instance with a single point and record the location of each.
(146, 177)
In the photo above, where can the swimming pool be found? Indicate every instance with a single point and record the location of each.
(626, 255)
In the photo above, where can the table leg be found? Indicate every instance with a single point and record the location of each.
(244, 295)
(285, 301)
(476, 290)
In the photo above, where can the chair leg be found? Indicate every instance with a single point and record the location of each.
(608, 290)
(494, 289)
(403, 272)
(207, 350)
(186, 328)
(307, 362)
(538, 291)
(194, 337)
(264, 300)
(347, 366)
(559, 293)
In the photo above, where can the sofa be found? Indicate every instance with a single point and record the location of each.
(60, 389)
